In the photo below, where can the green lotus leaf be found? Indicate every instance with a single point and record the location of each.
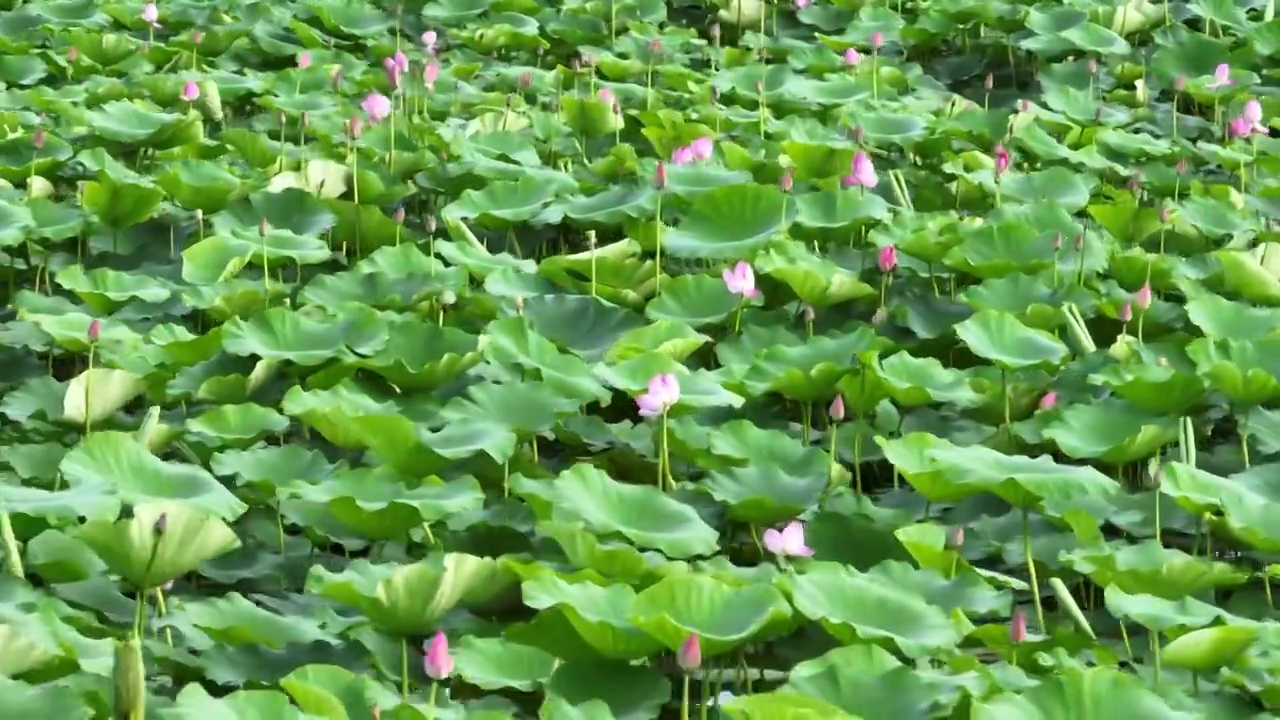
(161, 542)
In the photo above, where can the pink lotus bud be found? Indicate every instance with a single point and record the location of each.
(1165, 214)
(1182, 166)
(887, 259)
(1024, 105)
(660, 176)
(1092, 66)
(1048, 400)
(197, 37)
(955, 538)
(877, 40)
(398, 215)
(526, 80)
(690, 655)
(786, 181)
(988, 82)
(354, 127)
(1001, 156)
(1143, 297)
(73, 54)
(1180, 83)
(430, 73)
(851, 57)
(304, 59)
(95, 330)
(190, 91)
(1079, 242)
(438, 663)
(836, 411)
(1018, 626)
(655, 45)
(38, 138)
(1126, 312)
(335, 78)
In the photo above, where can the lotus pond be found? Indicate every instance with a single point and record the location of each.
(632, 359)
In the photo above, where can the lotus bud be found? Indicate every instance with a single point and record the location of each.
(197, 37)
(714, 32)
(1180, 83)
(1126, 312)
(129, 676)
(877, 40)
(660, 176)
(836, 411)
(38, 138)
(431, 224)
(988, 82)
(526, 80)
(1048, 400)
(263, 227)
(73, 54)
(689, 658)
(1143, 297)
(95, 330)
(1182, 166)
(786, 181)
(1092, 66)
(591, 239)
(1018, 626)
(1079, 242)
(438, 663)
(398, 215)
(955, 538)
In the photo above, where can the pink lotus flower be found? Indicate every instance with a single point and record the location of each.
(1001, 156)
(702, 148)
(429, 75)
(606, 96)
(190, 91)
(401, 60)
(789, 542)
(662, 395)
(355, 127)
(877, 40)
(377, 106)
(392, 69)
(1018, 626)
(429, 41)
(304, 59)
(851, 57)
(682, 155)
(1221, 78)
(1239, 127)
(741, 280)
(38, 138)
(1142, 298)
(690, 655)
(151, 15)
(95, 330)
(836, 411)
(1048, 400)
(1253, 115)
(1126, 312)
(787, 181)
(660, 176)
(438, 663)
(861, 172)
(955, 538)
(802, 4)
(887, 260)
(1180, 83)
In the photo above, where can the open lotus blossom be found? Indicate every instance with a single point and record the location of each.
(741, 279)
(190, 91)
(429, 41)
(702, 148)
(429, 75)
(151, 15)
(662, 395)
(438, 663)
(887, 259)
(377, 106)
(682, 155)
(1142, 298)
(862, 172)
(304, 60)
(689, 658)
(851, 57)
(401, 60)
(1048, 400)
(1221, 78)
(788, 542)
(1239, 127)
(1253, 115)
(1001, 157)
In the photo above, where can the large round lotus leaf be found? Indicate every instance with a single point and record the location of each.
(121, 205)
(115, 464)
(776, 479)
(199, 185)
(1248, 373)
(104, 289)
(723, 616)
(220, 257)
(642, 513)
(615, 273)
(729, 222)
(410, 600)
(1113, 431)
(1075, 693)
(815, 280)
(1160, 614)
(379, 505)
(601, 615)
(629, 690)
(696, 300)
(1001, 338)
(784, 704)
(195, 702)
(502, 202)
(233, 619)
(19, 699)
(865, 680)
(1209, 649)
(1151, 569)
(328, 689)
(855, 606)
(161, 542)
(98, 394)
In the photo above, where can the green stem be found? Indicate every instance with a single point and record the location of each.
(161, 611)
(684, 699)
(12, 555)
(1031, 569)
(404, 673)
(431, 702)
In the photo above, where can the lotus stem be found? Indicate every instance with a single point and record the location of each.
(161, 610)
(12, 553)
(404, 675)
(1031, 569)
(684, 699)
(431, 701)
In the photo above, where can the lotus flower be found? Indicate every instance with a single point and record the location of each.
(401, 60)
(877, 40)
(190, 91)
(682, 155)
(887, 260)
(660, 176)
(1253, 115)
(39, 137)
(429, 41)
(787, 181)
(1126, 313)
(861, 172)
(836, 411)
(702, 148)
(741, 280)
(606, 96)
(1048, 400)
(662, 395)
(377, 106)
(851, 57)
(1018, 626)
(690, 655)
(802, 4)
(73, 54)
(151, 15)
(392, 69)
(955, 538)
(1142, 298)
(1001, 157)
(95, 330)
(304, 60)
(438, 663)
(1221, 78)
(429, 75)
(789, 542)
(1239, 127)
